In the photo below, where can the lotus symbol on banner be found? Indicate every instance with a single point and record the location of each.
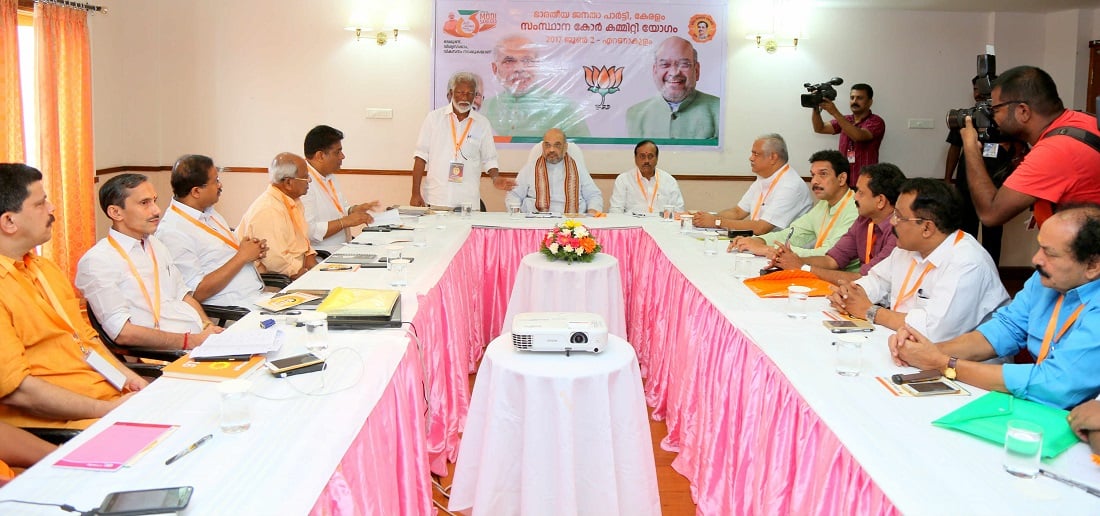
(603, 81)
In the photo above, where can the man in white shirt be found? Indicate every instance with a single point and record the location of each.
(328, 213)
(645, 188)
(129, 279)
(555, 182)
(938, 280)
(454, 147)
(216, 267)
(777, 197)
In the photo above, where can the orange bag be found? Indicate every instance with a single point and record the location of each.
(776, 283)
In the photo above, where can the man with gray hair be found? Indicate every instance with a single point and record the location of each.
(528, 104)
(777, 197)
(454, 147)
(678, 110)
(278, 217)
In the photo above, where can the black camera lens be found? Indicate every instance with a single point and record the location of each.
(578, 338)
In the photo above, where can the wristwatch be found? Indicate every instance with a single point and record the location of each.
(806, 267)
(870, 315)
(950, 372)
(717, 223)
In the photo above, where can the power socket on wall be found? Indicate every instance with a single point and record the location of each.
(921, 123)
(379, 113)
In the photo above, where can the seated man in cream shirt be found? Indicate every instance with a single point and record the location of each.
(278, 217)
(645, 188)
(555, 182)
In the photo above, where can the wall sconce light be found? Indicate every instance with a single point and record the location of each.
(777, 23)
(394, 20)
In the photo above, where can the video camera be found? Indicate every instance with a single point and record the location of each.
(819, 92)
(981, 115)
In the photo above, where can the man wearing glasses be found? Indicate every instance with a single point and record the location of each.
(678, 110)
(528, 104)
(938, 280)
(278, 217)
(1058, 168)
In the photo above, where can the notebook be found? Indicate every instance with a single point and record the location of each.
(120, 444)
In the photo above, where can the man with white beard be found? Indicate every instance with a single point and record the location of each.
(455, 146)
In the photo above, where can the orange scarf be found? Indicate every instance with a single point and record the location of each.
(542, 185)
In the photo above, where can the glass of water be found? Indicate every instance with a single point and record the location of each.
(1023, 448)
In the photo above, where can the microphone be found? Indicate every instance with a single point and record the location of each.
(836, 81)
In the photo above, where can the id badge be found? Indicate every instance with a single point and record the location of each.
(990, 150)
(851, 156)
(105, 368)
(455, 175)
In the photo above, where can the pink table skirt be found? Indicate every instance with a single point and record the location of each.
(384, 472)
(746, 440)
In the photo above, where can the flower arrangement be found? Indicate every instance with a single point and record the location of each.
(569, 241)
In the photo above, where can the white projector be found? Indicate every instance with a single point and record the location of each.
(559, 331)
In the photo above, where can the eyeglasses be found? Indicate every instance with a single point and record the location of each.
(995, 107)
(306, 179)
(683, 65)
(894, 219)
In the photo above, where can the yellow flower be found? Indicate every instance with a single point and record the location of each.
(570, 224)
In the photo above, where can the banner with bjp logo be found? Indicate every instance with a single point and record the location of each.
(606, 72)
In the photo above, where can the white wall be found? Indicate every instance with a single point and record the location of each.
(243, 80)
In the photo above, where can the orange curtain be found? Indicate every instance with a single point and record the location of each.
(64, 88)
(11, 95)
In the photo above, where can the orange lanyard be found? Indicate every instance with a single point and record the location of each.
(217, 234)
(295, 215)
(870, 241)
(458, 141)
(1049, 338)
(41, 295)
(824, 231)
(656, 184)
(764, 196)
(154, 307)
(328, 188)
(904, 296)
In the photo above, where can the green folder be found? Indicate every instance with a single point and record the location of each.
(987, 417)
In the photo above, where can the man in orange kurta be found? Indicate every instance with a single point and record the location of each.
(46, 379)
(278, 217)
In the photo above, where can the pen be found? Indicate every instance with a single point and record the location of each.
(189, 449)
(1085, 487)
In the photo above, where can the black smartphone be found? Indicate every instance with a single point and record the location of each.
(146, 501)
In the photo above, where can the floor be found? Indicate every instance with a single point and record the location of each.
(674, 488)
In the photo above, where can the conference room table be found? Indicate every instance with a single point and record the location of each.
(759, 419)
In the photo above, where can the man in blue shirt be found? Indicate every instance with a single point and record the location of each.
(1052, 317)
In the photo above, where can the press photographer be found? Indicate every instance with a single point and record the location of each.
(861, 132)
(1063, 164)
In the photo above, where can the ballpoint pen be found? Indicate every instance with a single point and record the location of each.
(189, 449)
(1084, 487)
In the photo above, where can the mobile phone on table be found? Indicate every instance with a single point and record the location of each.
(146, 501)
(929, 388)
(296, 362)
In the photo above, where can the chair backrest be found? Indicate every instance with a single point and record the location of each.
(573, 149)
(122, 352)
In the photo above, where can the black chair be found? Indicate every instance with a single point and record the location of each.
(122, 352)
(223, 315)
(322, 255)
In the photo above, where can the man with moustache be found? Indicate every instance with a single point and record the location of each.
(46, 380)
(938, 279)
(678, 110)
(130, 279)
(527, 106)
(819, 229)
(1053, 317)
(454, 147)
(555, 182)
(869, 241)
(328, 213)
(216, 266)
(861, 132)
(776, 198)
(277, 216)
(1058, 169)
(646, 188)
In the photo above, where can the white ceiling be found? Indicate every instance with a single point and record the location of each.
(1032, 6)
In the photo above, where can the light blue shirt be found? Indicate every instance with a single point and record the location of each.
(1070, 374)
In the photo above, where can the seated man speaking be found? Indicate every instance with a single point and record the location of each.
(555, 182)
(815, 232)
(1053, 317)
(938, 279)
(46, 380)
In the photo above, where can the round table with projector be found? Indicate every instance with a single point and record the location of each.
(552, 429)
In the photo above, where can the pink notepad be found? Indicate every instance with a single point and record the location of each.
(118, 445)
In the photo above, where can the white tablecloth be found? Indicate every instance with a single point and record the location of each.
(558, 286)
(557, 435)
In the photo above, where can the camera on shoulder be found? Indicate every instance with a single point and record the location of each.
(819, 92)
